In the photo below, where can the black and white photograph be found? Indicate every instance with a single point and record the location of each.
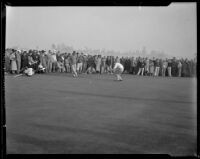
(101, 79)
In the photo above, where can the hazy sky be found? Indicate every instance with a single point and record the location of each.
(171, 29)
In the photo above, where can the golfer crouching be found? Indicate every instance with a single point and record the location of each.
(29, 71)
(118, 69)
(26, 71)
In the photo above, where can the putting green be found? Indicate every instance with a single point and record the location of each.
(56, 113)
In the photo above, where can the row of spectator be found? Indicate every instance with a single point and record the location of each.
(54, 61)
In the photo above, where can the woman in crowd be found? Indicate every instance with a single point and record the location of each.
(13, 60)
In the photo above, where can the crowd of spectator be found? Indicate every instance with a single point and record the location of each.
(76, 62)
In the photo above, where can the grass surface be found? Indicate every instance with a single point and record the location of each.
(56, 113)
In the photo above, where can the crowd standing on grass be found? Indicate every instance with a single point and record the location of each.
(41, 61)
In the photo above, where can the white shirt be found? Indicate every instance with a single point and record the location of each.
(54, 57)
(29, 71)
(119, 65)
(179, 64)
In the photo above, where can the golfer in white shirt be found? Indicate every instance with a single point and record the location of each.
(29, 72)
(118, 69)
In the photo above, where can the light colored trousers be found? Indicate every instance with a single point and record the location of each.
(49, 65)
(141, 70)
(163, 71)
(67, 68)
(119, 77)
(157, 69)
(74, 69)
(102, 69)
(79, 67)
(169, 69)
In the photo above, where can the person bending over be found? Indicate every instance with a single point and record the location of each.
(118, 69)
